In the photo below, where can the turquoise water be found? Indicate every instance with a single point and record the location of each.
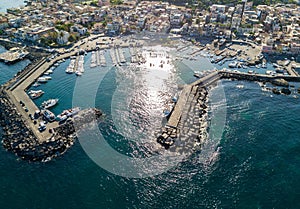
(6, 4)
(255, 166)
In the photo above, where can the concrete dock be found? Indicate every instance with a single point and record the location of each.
(13, 55)
(186, 93)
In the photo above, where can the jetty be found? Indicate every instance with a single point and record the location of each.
(13, 55)
(102, 59)
(113, 56)
(186, 127)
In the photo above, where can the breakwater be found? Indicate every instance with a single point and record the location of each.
(187, 126)
(21, 140)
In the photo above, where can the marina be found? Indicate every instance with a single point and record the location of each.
(186, 117)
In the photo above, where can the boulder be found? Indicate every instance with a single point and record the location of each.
(275, 91)
(286, 91)
(280, 82)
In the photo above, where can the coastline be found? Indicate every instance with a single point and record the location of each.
(188, 118)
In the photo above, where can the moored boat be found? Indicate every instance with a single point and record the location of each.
(68, 113)
(42, 80)
(233, 64)
(49, 103)
(36, 84)
(36, 95)
(49, 115)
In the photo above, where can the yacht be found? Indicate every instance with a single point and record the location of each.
(49, 103)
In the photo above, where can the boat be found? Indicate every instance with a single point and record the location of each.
(167, 112)
(34, 91)
(233, 64)
(78, 73)
(275, 65)
(42, 80)
(36, 94)
(36, 84)
(50, 71)
(240, 86)
(49, 115)
(70, 68)
(49, 103)
(47, 77)
(68, 113)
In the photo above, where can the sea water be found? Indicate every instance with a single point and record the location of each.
(255, 163)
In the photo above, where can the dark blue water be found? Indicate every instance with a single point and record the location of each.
(255, 166)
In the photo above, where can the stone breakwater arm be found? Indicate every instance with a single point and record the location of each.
(190, 111)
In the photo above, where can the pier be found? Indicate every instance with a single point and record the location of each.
(13, 55)
(187, 125)
(186, 94)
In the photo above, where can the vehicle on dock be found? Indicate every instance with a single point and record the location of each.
(49, 103)
(42, 127)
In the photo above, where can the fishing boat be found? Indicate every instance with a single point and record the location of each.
(49, 103)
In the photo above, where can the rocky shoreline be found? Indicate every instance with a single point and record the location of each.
(20, 140)
(191, 132)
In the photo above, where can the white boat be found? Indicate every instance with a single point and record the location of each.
(68, 113)
(50, 71)
(47, 77)
(49, 115)
(233, 64)
(34, 91)
(42, 80)
(36, 95)
(70, 68)
(36, 84)
(78, 73)
(49, 103)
